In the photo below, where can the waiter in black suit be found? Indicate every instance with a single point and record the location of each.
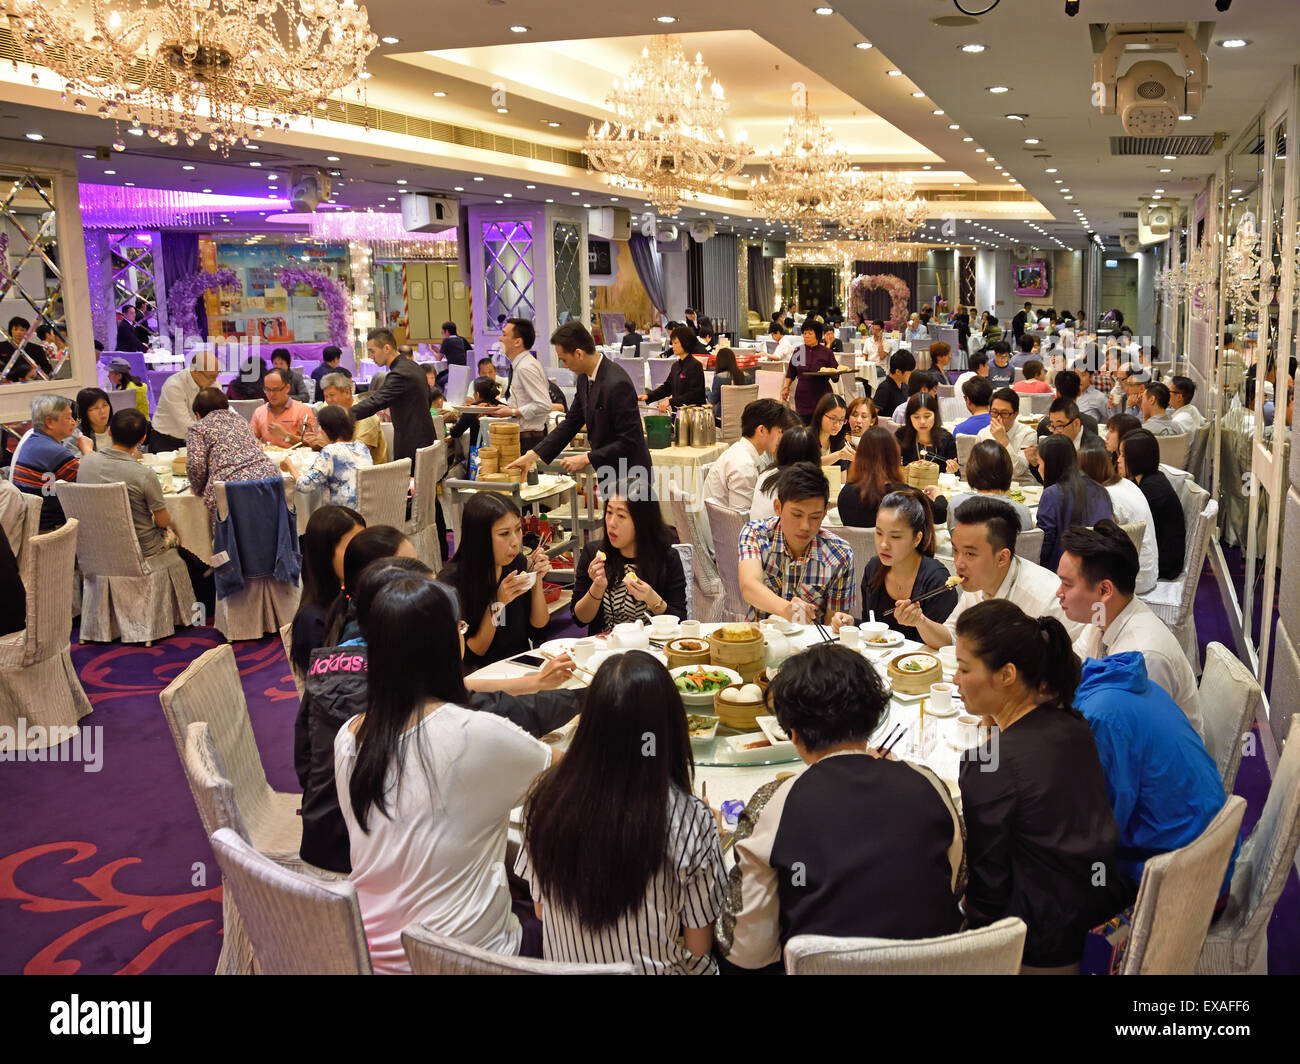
(405, 391)
(684, 385)
(606, 403)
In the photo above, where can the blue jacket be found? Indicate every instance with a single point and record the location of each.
(1056, 515)
(259, 536)
(1162, 783)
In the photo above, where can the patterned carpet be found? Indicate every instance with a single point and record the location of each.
(109, 872)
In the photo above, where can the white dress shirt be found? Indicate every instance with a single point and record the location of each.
(784, 347)
(1188, 418)
(734, 475)
(1029, 586)
(529, 393)
(174, 412)
(1019, 437)
(1137, 629)
(1131, 506)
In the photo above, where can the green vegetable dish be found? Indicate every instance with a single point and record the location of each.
(701, 681)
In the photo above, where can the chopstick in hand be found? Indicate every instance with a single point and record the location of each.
(891, 738)
(921, 598)
(894, 741)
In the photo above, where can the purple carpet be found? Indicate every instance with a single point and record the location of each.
(109, 872)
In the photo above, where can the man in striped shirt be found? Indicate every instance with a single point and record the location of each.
(528, 389)
(42, 458)
(788, 565)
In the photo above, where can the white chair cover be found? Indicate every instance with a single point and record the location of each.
(768, 382)
(286, 637)
(265, 604)
(965, 444)
(863, 542)
(1173, 449)
(1172, 600)
(1230, 696)
(725, 526)
(708, 592)
(422, 528)
(1176, 898)
(432, 954)
(124, 594)
(388, 432)
(381, 493)
(38, 684)
(1029, 545)
(992, 950)
(735, 397)
(952, 411)
(1238, 940)
(245, 407)
(1135, 531)
(1038, 404)
(687, 553)
(297, 924)
(659, 368)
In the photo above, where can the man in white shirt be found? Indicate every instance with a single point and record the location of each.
(873, 347)
(984, 555)
(528, 391)
(1182, 390)
(1090, 401)
(1014, 437)
(785, 345)
(979, 367)
(734, 475)
(1098, 571)
(174, 414)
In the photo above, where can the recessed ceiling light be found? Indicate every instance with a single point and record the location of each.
(926, 167)
(864, 45)
(823, 10)
(519, 28)
(550, 201)
(575, 193)
(459, 188)
(110, 173)
(587, 205)
(500, 201)
(508, 195)
(254, 163)
(1171, 158)
(938, 111)
(894, 73)
(392, 199)
(979, 151)
(1063, 190)
(207, 190)
(956, 184)
(1232, 42)
(917, 95)
(1166, 170)
(1184, 118)
(390, 40)
(1032, 140)
(1160, 192)
(439, 93)
(36, 136)
(666, 19)
(1050, 170)
(272, 186)
(967, 140)
(130, 184)
(273, 177)
(1059, 180)
(953, 125)
(503, 110)
(530, 186)
(136, 131)
(478, 179)
(998, 90)
(187, 166)
(1067, 197)
(554, 125)
(401, 180)
(972, 49)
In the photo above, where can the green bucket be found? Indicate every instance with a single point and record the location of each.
(658, 431)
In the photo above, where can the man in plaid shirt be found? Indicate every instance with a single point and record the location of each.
(789, 567)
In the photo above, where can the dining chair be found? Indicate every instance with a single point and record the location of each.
(735, 397)
(1176, 898)
(264, 602)
(965, 444)
(1173, 449)
(1229, 697)
(432, 954)
(725, 526)
(121, 399)
(1136, 532)
(659, 368)
(1038, 403)
(458, 381)
(1029, 545)
(39, 688)
(1172, 600)
(863, 542)
(382, 491)
(769, 383)
(707, 593)
(422, 528)
(286, 638)
(992, 950)
(245, 407)
(297, 924)
(1237, 942)
(953, 411)
(210, 690)
(687, 555)
(124, 594)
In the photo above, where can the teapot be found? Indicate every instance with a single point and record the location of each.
(630, 635)
(776, 644)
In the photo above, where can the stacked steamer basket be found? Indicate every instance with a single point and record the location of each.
(739, 647)
(488, 462)
(504, 438)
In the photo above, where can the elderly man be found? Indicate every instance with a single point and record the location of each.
(42, 457)
(283, 420)
(337, 389)
(175, 411)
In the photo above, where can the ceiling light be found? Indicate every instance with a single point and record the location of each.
(207, 190)
(272, 186)
(1184, 118)
(110, 173)
(390, 40)
(967, 140)
(254, 163)
(554, 125)
(998, 90)
(926, 167)
(894, 73)
(1016, 118)
(130, 184)
(331, 158)
(35, 136)
(1067, 197)
(1232, 42)
(954, 125)
(439, 93)
(1059, 181)
(508, 195)
(864, 45)
(530, 186)
(1032, 140)
(478, 179)
(550, 201)
(136, 131)
(401, 180)
(939, 111)
(1160, 192)
(823, 11)
(1166, 170)
(520, 29)
(392, 199)
(972, 49)
(500, 201)
(587, 205)
(979, 151)
(187, 166)
(503, 110)
(459, 188)
(665, 19)
(273, 177)
(575, 193)
(917, 95)
(1050, 170)
(1171, 158)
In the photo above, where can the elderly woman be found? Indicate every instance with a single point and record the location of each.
(221, 446)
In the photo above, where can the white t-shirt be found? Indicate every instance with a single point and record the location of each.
(1131, 506)
(438, 858)
(731, 481)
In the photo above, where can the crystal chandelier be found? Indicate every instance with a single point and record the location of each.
(807, 181)
(1248, 273)
(667, 137)
(882, 207)
(182, 68)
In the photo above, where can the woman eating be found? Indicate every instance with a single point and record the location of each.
(862, 416)
(876, 471)
(1040, 834)
(94, 411)
(119, 377)
(904, 567)
(828, 422)
(329, 531)
(501, 594)
(923, 437)
(1130, 507)
(988, 472)
(250, 381)
(1139, 461)
(1069, 498)
(632, 573)
(221, 446)
(426, 785)
(797, 445)
(623, 862)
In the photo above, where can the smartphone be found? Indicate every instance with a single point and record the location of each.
(531, 660)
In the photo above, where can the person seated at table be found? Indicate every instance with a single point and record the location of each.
(684, 385)
(797, 444)
(330, 363)
(1130, 507)
(1182, 390)
(630, 339)
(1035, 382)
(1027, 348)
(337, 389)
(663, 877)
(1001, 371)
(174, 413)
(282, 360)
(329, 531)
(282, 421)
(1139, 461)
(831, 340)
(893, 389)
(47, 453)
(1098, 572)
(984, 556)
(785, 345)
(93, 413)
(977, 365)
(119, 463)
(426, 784)
(901, 879)
(988, 472)
(915, 330)
(940, 359)
(250, 380)
(1017, 439)
(829, 423)
(706, 338)
(873, 347)
(726, 370)
(862, 415)
(905, 567)
(803, 372)
(923, 437)
(486, 401)
(978, 394)
(631, 573)
(1069, 498)
(487, 368)
(120, 378)
(1156, 418)
(876, 470)
(334, 470)
(220, 445)
(501, 592)
(1040, 834)
(1068, 386)
(920, 382)
(789, 564)
(733, 477)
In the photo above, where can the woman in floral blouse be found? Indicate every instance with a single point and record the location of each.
(335, 468)
(221, 446)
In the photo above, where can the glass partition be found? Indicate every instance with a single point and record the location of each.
(508, 274)
(34, 346)
(568, 272)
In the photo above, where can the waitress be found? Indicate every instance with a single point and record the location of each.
(809, 386)
(685, 383)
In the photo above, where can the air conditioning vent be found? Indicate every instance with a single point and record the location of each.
(1128, 214)
(1204, 145)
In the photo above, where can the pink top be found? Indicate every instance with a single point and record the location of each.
(1031, 387)
(294, 417)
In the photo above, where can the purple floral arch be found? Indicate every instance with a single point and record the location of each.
(183, 298)
(899, 294)
(333, 294)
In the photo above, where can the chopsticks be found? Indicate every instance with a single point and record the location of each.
(895, 734)
(921, 598)
(826, 636)
(576, 667)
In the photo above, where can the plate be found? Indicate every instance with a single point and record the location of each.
(894, 639)
(771, 727)
(786, 627)
(706, 736)
(766, 751)
(699, 698)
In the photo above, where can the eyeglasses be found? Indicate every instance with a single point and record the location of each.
(1005, 415)
(462, 627)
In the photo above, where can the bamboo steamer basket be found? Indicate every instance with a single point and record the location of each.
(493, 478)
(914, 683)
(178, 463)
(746, 656)
(740, 716)
(921, 474)
(678, 656)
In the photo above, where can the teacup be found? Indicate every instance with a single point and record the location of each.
(969, 730)
(663, 625)
(941, 697)
(690, 629)
(582, 650)
(850, 636)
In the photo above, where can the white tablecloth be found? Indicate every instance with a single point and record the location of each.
(679, 467)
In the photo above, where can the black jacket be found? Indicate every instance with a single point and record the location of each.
(334, 692)
(455, 350)
(405, 392)
(1171, 526)
(127, 338)
(610, 410)
(684, 385)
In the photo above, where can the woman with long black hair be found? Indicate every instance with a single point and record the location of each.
(632, 573)
(426, 785)
(329, 531)
(725, 371)
(624, 863)
(371, 544)
(905, 567)
(923, 435)
(501, 594)
(1069, 497)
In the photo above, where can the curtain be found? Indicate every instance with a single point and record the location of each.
(878, 302)
(720, 289)
(695, 277)
(762, 287)
(180, 258)
(645, 257)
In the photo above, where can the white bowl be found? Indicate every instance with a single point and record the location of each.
(702, 698)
